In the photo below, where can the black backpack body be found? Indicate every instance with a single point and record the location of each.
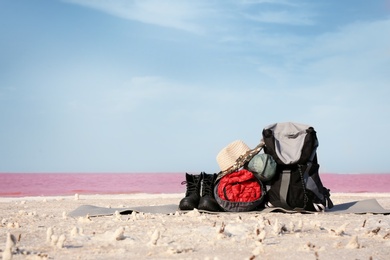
(296, 184)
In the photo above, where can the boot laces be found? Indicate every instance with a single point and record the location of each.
(191, 186)
(207, 188)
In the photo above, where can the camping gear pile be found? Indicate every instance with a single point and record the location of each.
(281, 171)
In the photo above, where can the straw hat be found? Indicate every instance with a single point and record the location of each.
(228, 155)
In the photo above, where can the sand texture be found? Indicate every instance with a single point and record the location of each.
(40, 228)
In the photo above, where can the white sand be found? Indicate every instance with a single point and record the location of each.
(43, 230)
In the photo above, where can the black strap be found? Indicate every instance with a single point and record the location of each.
(284, 184)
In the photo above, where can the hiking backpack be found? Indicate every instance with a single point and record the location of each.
(296, 184)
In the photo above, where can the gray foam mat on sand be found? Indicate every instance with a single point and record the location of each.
(355, 207)
(360, 207)
(94, 211)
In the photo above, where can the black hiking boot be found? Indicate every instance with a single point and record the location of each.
(191, 200)
(207, 201)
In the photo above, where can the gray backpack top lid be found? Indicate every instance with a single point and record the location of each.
(290, 143)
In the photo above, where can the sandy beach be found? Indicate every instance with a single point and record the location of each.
(41, 228)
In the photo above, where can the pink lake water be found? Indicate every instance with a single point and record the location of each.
(56, 184)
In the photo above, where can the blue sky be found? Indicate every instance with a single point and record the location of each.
(163, 86)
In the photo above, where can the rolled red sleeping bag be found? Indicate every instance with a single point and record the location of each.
(239, 191)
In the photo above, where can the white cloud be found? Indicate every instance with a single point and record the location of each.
(176, 14)
(276, 2)
(350, 54)
(354, 52)
(201, 16)
(353, 38)
(282, 17)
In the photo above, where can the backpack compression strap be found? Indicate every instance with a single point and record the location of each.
(285, 183)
